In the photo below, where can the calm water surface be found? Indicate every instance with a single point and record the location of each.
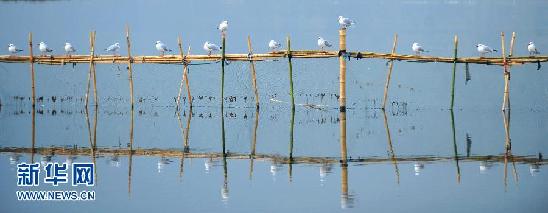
(416, 156)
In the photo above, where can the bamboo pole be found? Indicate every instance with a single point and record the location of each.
(253, 72)
(130, 70)
(223, 58)
(187, 81)
(289, 56)
(291, 141)
(342, 139)
(390, 147)
(512, 44)
(388, 76)
(506, 95)
(96, 98)
(89, 72)
(456, 41)
(31, 60)
(455, 149)
(342, 70)
(180, 45)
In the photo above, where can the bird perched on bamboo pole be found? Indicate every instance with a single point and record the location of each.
(13, 49)
(274, 45)
(69, 49)
(322, 43)
(532, 49)
(223, 26)
(210, 47)
(417, 48)
(162, 48)
(484, 49)
(44, 49)
(113, 48)
(345, 22)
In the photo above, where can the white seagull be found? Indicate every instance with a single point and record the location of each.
(322, 43)
(532, 49)
(345, 22)
(210, 47)
(113, 48)
(13, 49)
(44, 48)
(69, 49)
(273, 45)
(160, 46)
(223, 26)
(483, 49)
(417, 48)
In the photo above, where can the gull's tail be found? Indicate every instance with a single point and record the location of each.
(49, 50)
(169, 50)
(18, 50)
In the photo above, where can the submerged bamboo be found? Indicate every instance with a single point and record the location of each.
(456, 41)
(388, 76)
(289, 56)
(253, 72)
(130, 72)
(342, 70)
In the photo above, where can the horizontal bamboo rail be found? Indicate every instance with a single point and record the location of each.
(176, 59)
(83, 151)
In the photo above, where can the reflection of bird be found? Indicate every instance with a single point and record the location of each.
(417, 48)
(44, 48)
(273, 45)
(345, 22)
(70, 159)
(161, 164)
(325, 169)
(209, 164)
(14, 158)
(484, 166)
(224, 193)
(322, 43)
(534, 169)
(418, 168)
(45, 159)
(115, 161)
(210, 47)
(532, 49)
(69, 49)
(13, 49)
(223, 26)
(484, 49)
(113, 48)
(160, 46)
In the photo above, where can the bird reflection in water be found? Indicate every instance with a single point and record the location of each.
(14, 158)
(114, 161)
(485, 166)
(209, 164)
(274, 168)
(162, 163)
(534, 169)
(45, 159)
(70, 159)
(325, 169)
(224, 193)
(418, 168)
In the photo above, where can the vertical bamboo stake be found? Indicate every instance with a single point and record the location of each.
(512, 44)
(223, 69)
(96, 98)
(89, 72)
(506, 95)
(388, 76)
(291, 140)
(345, 198)
(342, 118)
(253, 73)
(289, 56)
(456, 41)
(342, 70)
(130, 72)
(31, 60)
(179, 43)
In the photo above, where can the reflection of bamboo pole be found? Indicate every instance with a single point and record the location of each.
(223, 132)
(456, 41)
(253, 143)
(345, 198)
(185, 76)
(342, 117)
(187, 132)
(253, 73)
(130, 160)
(390, 148)
(455, 150)
(291, 138)
(506, 95)
(31, 60)
(386, 86)
(130, 70)
(289, 56)
(342, 70)
(33, 137)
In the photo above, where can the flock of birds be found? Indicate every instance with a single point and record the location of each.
(273, 45)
